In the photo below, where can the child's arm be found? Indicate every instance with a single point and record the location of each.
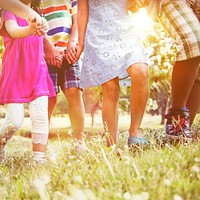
(73, 39)
(21, 10)
(42, 30)
(16, 31)
(80, 23)
(82, 18)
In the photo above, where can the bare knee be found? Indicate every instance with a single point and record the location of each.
(111, 92)
(73, 95)
(139, 74)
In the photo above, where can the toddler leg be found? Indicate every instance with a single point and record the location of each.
(39, 117)
(13, 121)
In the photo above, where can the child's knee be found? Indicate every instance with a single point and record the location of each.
(17, 124)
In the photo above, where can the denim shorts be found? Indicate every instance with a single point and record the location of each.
(67, 76)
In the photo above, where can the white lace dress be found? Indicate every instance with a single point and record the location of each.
(111, 44)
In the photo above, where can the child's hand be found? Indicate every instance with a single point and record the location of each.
(54, 56)
(40, 28)
(34, 17)
(79, 50)
(59, 59)
(32, 27)
(43, 28)
(71, 52)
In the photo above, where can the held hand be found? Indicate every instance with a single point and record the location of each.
(54, 56)
(32, 27)
(79, 50)
(43, 28)
(34, 17)
(71, 53)
(59, 59)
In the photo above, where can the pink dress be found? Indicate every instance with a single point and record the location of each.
(24, 75)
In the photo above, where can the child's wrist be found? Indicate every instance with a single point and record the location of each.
(72, 41)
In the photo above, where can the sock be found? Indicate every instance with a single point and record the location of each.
(39, 156)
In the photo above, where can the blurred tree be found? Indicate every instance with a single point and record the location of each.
(162, 55)
(62, 105)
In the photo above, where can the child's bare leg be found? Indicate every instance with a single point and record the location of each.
(193, 102)
(11, 124)
(138, 96)
(110, 109)
(76, 112)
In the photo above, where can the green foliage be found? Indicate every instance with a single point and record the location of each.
(91, 96)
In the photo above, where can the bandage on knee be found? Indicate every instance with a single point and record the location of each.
(38, 138)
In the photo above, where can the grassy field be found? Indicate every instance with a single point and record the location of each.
(163, 171)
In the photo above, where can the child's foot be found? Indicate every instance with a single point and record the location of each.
(139, 141)
(39, 158)
(41, 162)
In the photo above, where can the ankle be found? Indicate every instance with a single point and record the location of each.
(135, 133)
(179, 108)
(80, 137)
(38, 156)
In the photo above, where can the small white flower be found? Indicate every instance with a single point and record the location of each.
(78, 179)
(195, 169)
(197, 160)
(177, 197)
(78, 194)
(127, 160)
(127, 196)
(167, 182)
(142, 196)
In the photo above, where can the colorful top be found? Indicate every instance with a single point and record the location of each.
(59, 14)
(24, 75)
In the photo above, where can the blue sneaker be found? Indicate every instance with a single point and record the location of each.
(137, 141)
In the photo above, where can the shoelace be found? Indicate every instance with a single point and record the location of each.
(179, 123)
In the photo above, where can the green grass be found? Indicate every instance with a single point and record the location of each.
(161, 172)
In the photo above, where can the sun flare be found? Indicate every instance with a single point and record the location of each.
(142, 21)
